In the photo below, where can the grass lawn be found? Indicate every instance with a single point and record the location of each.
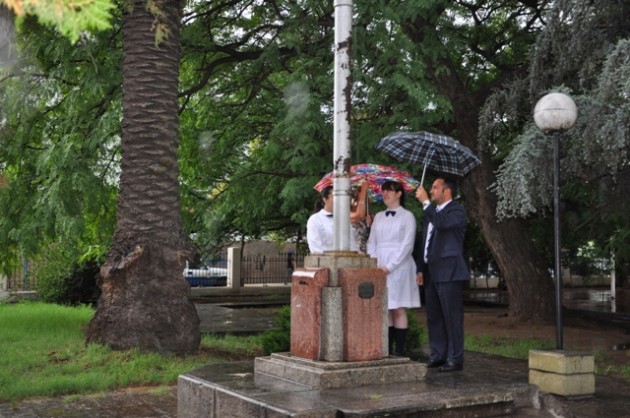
(44, 354)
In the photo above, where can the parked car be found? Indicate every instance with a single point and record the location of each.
(206, 276)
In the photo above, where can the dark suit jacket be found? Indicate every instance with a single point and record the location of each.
(446, 260)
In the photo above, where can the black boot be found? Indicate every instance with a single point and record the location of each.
(400, 334)
(390, 339)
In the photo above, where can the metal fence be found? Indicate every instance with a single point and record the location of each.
(266, 269)
(255, 269)
(22, 278)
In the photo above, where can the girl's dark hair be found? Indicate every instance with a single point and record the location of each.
(326, 191)
(395, 187)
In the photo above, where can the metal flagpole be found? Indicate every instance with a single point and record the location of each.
(342, 97)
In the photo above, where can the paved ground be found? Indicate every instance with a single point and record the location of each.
(611, 400)
(136, 403)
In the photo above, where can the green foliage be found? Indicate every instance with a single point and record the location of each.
(572, 44)
(71, 18)
(63, 280)
(58, 144)
(278, 339)
(248, 168)
(579, 55)
(233, 347)
(52, 277)
(260, 137)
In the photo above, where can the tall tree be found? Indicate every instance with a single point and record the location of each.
(584, 52)
(485, 50)
(144, 300)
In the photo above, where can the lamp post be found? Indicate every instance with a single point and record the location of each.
(553, 114)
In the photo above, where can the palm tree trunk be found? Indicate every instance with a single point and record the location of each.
(144, 300)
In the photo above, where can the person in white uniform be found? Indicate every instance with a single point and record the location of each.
(391, 242)
(319, 228)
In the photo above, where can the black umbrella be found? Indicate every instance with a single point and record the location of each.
(439, 153)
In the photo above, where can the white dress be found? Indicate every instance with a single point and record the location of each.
(391, 242)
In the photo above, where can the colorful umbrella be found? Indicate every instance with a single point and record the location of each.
(440, 153)
(376, 175)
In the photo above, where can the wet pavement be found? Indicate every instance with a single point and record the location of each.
(133, 403)
(593, 300)
(612, 397)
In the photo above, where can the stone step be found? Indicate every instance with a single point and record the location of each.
(235, 390)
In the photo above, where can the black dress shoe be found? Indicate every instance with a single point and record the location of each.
(432, 364)
(451, 367)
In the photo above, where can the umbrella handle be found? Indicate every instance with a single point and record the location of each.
(424, 171)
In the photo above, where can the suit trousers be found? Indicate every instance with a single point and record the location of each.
(445, 320)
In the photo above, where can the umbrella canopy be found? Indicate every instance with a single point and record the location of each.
(376, 175)
(440, 153)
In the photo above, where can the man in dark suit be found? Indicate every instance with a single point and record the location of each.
(443, 271)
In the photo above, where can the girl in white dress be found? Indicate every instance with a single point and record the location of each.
(391, 242)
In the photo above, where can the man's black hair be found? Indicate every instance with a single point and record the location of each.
(450, 184)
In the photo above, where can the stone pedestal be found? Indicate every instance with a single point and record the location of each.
(561, 372)
(339, 308)
(339, 327)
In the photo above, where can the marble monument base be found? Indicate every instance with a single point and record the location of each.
(329, 375)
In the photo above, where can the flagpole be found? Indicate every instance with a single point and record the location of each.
(341, 138)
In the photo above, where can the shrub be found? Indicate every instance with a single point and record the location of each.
(64, 281)
(415, 337)
(279, 339)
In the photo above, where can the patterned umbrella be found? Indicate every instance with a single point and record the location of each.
(376, 175)
(439, 153)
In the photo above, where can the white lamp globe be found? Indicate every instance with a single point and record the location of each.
(555, 112)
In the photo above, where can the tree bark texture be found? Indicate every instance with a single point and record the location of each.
(144, 302)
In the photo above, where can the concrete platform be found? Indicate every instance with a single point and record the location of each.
(234, 390)
(334, 375)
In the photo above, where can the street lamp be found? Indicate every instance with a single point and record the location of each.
(553, 114)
